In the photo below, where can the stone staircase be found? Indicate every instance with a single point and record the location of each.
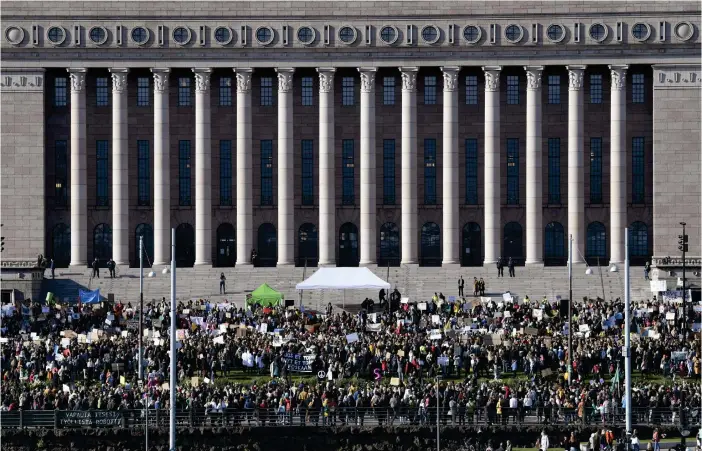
(417, 283)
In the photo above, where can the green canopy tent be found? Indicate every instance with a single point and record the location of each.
(266, 296)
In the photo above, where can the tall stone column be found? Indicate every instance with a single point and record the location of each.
(492, 164)
(162, 169)
(617, 171)
(368, 156)
(79, 187)
(576, 185)
(286, 172)
(409, 165)
(244, 176)
(450, 166)
(327, 199)
(120, 168)
(534, 191)
(203, 168)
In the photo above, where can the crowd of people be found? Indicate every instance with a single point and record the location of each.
(497, 360)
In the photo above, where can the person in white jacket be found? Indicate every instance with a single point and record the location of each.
(543, 441)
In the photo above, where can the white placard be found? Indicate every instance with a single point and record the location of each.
(435, 319)
(670, 316)
(435, 337)
(404, 300)
(584, 328)
(659, 285)
(507, 297)
(422, 306)
(537, 313)
(352, 338)
(219, 340)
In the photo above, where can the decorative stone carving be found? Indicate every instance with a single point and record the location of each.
(367, 79)
(409, 78)
(22, 82)
(492, 78)
(202, 80)
(77, 79)
(677, 77)
(618, 77)
(119, 80)
(160, 79)
(533, 77)
(326, 79)
(285, 80)
(450, 78)
(243, 81)
(575, 77)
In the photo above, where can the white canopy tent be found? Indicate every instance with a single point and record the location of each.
(343, 279)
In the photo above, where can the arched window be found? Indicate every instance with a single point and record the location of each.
(348, 245)
(102, 243)
(471, 250)
(430, 251)
(596, 241)
(638, 242)
(61, 245)
(554, 244)
(389, 245)
(307, 245)
(226, 245)
(267, 245)
(512, 244)
(147, 232)
(185, 245)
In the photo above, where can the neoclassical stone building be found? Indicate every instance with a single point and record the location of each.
(431, 133)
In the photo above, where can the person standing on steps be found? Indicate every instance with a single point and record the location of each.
(111, 268)
(461, 284)
(96, 268)
(52, 266)
(647, 270)
(476, 286)
(222, 284)
(481, 286)
(500, 267)
(510, 267)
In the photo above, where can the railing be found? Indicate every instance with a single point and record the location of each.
(339, 416)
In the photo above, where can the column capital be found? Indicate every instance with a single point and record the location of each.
(450, 77)
(160, 79)
(618, 76)
(77, 78)
(285, 79)
(492, 77)
(575, 77)
(409, 78)
(533, 74)
(326, 79)
(367, 78)
(119, 80)
(202, 79)
(243, 80)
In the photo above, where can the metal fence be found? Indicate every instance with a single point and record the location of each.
(339, 416)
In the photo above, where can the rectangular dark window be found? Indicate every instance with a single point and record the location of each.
(512, 171)
(267, 172)
(471, 89)
(266, 91)
(388, 172)
(347, 173)
(471, 171)
(430, 90)
(389, 91)
(102, 171)
(307, 172)
(596, 88)
(225, 172)
(61, 170)
(637, 88)
(430, 171)
(554, 89)
(225, 91)
(143, 91)
(184, 94)
(60, 91)
(307, 91)
(512, 90)
(638, 170)
(184, 191)
(102, 91)
(554, 170)
(143, 172)
(595, 170)
(347, 91)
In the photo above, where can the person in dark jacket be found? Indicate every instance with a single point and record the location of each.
(510, 266)
(500, 267)
(96, 268)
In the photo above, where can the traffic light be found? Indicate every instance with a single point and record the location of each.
(682, 243)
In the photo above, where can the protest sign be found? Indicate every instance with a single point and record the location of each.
(395, 381)
(299, 363)
(422, 306)
(443, 361)
(531, 331)
(373, 327)
(352, 338)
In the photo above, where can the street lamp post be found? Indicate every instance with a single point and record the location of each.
(141, 339)
(683, 247)
(570, 310)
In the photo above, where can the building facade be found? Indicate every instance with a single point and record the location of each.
(335, 133)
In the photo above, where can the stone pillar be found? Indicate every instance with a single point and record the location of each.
(79, 187)
(162, 169)
(203, 169)
(368, 156)
(409, 165)
(286, 171)
(244, 176)
(492, 164)
(576, 182)
(120, 168)
(617, 168)
(450, 167)
(327, 199)
(534, 191)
